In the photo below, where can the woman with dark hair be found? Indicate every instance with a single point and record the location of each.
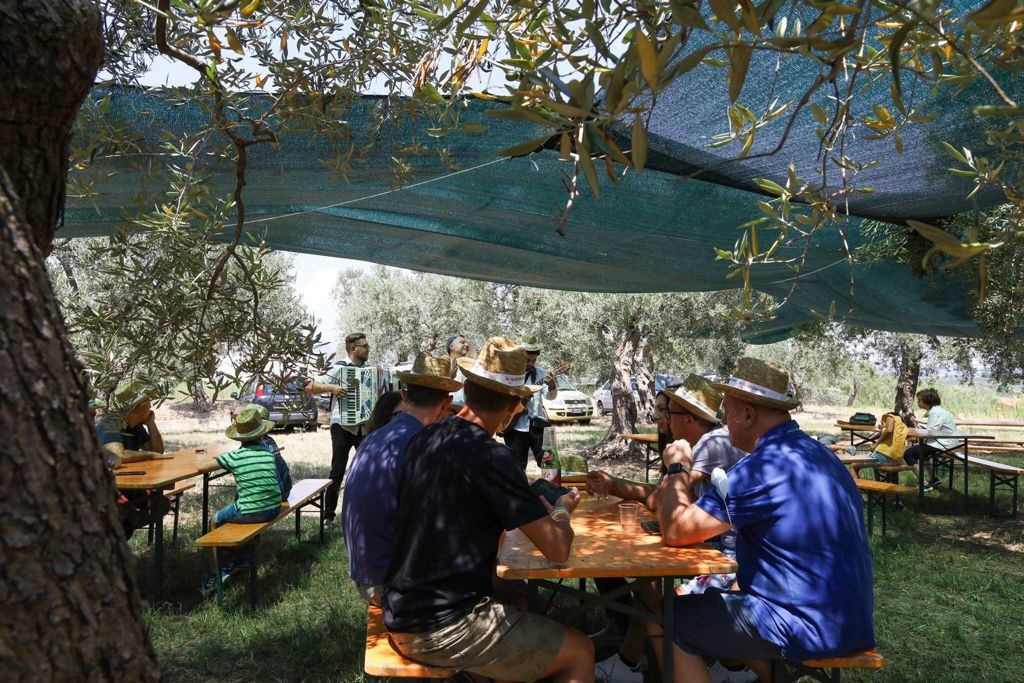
(940, 421)
(388, 405)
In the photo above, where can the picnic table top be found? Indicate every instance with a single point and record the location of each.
(162, 474)
(602, 549)
(646, 437)
(912, 432)
(1010, 424)
(856, 459)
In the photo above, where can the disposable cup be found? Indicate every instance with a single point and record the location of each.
(629, 517)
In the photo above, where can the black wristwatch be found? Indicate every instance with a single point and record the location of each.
(677, 468)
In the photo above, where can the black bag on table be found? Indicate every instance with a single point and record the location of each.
(863, 419)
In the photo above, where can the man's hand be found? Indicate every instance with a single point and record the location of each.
(599, 483)
(569, 501)
(678, 451)
(151, 419)
(549, 379)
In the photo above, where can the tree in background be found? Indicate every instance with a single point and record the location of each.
(133, 302)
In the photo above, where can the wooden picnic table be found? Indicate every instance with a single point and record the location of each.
(856, 459)
(163, 474)
(949, 453)
(602, 549)
(653, 456)
(1006, 424)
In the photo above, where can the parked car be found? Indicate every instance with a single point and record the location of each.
(603, 396)
(286, 400)
(569, 405)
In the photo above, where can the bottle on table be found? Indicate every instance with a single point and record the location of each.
(550, 464)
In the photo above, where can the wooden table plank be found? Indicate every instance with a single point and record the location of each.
(601, 549)
(162, 474)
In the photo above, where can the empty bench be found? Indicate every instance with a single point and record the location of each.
(384, 661)
(877, 494)
(831, 669)
(308, 492)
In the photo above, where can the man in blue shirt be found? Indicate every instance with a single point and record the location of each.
(370, 504)
(805, 577)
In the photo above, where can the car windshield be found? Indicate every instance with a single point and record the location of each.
(563, 383)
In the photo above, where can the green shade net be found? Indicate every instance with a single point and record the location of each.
(494, 219)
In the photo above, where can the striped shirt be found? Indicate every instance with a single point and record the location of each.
(255, 478)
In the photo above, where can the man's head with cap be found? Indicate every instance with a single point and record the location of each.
(495, 379)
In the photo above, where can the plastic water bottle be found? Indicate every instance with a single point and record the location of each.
(550, 464)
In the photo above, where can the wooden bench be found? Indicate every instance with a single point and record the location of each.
(999, 475)
(306, 492)
(384, 661)
(877, 494)
(832, 668)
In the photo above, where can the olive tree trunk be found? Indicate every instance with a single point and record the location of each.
(907, 376)
(71, 606)
(623, 351)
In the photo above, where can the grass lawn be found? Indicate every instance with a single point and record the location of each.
(946, 601)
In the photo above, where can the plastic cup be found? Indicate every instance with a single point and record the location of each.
(629, 517)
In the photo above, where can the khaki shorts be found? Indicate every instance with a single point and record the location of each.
(494, 640)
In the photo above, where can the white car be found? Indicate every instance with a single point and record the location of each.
(603, 397)
(569, 405)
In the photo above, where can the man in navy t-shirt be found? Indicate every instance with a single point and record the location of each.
(805, 577)
(370, 505)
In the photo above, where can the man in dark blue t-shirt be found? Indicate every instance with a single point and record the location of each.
(805, 577)
(370, 504)
(459, 490)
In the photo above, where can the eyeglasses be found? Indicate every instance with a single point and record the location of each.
(361, 346)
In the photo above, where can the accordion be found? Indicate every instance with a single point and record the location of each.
(364, 386)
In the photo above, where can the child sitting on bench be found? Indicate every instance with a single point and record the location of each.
(258, 489)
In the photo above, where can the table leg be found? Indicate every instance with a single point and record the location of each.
(920, 483)
(668, 592)
(966, 459)
(206, 502)
(158, 546)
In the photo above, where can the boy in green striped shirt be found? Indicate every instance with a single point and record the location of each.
(256, 482)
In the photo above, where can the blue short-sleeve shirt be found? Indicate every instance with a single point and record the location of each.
(111, 430)
(802, 548)
(370, 505)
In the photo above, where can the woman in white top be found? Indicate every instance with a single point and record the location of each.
(940, 421)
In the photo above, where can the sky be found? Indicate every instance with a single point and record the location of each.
(315, 277)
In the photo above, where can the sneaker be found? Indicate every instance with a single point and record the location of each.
(851, 450)
(720, 674)
(329, 523)
(932, 485)
(614, 670)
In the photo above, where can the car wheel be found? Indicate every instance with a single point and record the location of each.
(311, 426)
(600, 407)
(584, 422)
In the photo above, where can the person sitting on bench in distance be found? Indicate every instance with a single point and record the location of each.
(459, 489)
(257, 488)
(128, 433)
(805, 576)
(370, 504)
(939, 421)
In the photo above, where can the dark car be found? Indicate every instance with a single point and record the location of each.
(287, 401)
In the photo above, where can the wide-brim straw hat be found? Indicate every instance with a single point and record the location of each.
(501, 367)
(699, 397)
(431, 372)
(762, 383)
(248, 425)
(532, 344)
(129, 394)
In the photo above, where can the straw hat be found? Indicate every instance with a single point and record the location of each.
(760, 383)
(248, 425)
(698, 397)
(501, 367)
(129, 394)
(430, 372)
(532, 344)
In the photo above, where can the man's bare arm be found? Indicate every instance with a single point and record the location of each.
(156, 440)
(683, 523)
(553, 533)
